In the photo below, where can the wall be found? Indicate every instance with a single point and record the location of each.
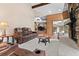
(17, 15)
(55, 17)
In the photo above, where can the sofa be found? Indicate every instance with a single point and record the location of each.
(24, 34)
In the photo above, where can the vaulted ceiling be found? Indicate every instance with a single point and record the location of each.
(50, 8)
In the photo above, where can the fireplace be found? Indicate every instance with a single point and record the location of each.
(41, 28)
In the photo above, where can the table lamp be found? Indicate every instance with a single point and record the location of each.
(3, 26)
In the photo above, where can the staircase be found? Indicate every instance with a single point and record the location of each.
(77, 29)
(75, 13)
(77, 32)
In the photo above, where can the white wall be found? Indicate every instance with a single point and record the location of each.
(17, 15)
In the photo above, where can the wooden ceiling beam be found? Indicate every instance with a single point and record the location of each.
(39, 5)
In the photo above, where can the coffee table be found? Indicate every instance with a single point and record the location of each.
(44, 39)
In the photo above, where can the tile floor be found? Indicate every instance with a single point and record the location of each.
(61, 47)
(57, 47)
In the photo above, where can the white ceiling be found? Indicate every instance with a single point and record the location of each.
(49, 9)
(52, 8)
(60, 23)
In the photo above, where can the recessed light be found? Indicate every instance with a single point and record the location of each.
(49, 11)
(59, 9)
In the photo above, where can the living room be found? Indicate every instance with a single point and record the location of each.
(18, 18)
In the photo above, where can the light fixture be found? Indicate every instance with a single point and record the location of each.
(3, 26)
(50, 12)
(59, 9)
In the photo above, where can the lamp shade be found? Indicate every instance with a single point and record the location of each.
(3, 24)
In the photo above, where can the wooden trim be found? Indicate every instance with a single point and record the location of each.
(59, 16)
(49, 28)
(65, 15)
(39, 5)
(55, 17)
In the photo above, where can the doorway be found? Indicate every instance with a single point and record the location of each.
(60, 30)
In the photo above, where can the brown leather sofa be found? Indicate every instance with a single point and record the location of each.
(24, 34)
